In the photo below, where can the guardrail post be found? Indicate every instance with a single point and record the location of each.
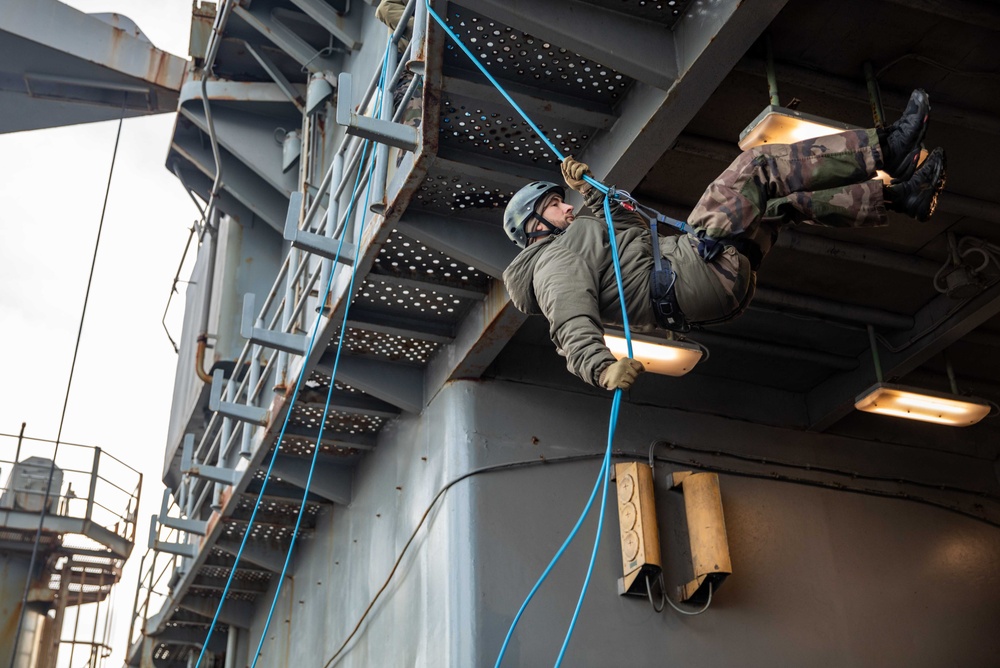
(93, 484)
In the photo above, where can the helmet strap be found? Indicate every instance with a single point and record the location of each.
(552, 229)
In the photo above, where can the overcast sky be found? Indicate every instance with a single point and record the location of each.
(52, 185)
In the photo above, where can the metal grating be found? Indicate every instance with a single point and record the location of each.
(495, 130)
(393, 299)
(302, 446)
(242, 575)
(270, 533)
(390, 347)
(516, 56)
(449, 193)
(664, 12)
(337, 422)
(408, 258)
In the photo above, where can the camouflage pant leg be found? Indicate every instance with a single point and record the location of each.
(824, 180)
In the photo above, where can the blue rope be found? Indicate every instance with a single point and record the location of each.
(336, 361)
(603, 480)
(603, 476)
(281, 435)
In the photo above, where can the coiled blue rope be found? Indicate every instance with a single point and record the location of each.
(295, 395)
(604, 474)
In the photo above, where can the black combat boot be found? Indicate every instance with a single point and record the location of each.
(918, 196)
(900, 141)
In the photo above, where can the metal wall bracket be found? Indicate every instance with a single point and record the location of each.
(384, 132)
(297, 344)
(314, 243)
(214, 473)
(180, 549)
(181, 524)
(241, 412)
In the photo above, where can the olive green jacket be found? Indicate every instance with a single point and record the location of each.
(570, 279)
(389, 12)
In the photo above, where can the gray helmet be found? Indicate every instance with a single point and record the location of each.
(521, 208)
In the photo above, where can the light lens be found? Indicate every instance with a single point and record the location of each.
(916, 404)
(669, 358)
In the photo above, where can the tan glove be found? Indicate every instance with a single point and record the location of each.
(621, 374)
(573, 171)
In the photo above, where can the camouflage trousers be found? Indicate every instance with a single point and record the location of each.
(827, 180)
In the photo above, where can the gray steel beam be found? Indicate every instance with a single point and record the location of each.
(485, 169)
(841, 250)
(250, 138)
(345, 29)
(276, 76)
(268, 25)
(240, 181)
(413, 328)
(829, 308)
(269, 558)
(775, 350)
(936, 326)
(535, 106)
(637, 48)
(201, 184)
(429, 286)
(234, 613)
(352, 403)
(178, 635)
(356, 441)
(482, 335)
(398, 384)
(329, 480)
(467, 241)
(709, 43)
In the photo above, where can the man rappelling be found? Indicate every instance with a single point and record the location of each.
(707, 275)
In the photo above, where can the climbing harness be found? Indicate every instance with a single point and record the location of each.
(662, 287)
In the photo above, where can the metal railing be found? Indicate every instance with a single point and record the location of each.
(87, 484)
(293, 296)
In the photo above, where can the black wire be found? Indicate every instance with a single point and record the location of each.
(824, 469)
(677, 462)
(69, 385)
(486, 469)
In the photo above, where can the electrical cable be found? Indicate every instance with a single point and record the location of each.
(69, 385)
(333, 373)
(423, 518)
(637, 456)
(854, 475)
(681, 610)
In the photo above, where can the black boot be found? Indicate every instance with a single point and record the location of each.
(918, 196)
(900, 141)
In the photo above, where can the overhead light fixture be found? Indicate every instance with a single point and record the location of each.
(318, 91)
(662, 356)
(913, 403)
(920, 404)
(781, 125)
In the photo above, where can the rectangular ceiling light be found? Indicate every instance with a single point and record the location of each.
(780, 125)
(667, 357)
(918, 404)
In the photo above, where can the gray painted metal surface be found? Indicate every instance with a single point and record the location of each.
(822, 576)
(62, 67)
(428, 313)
